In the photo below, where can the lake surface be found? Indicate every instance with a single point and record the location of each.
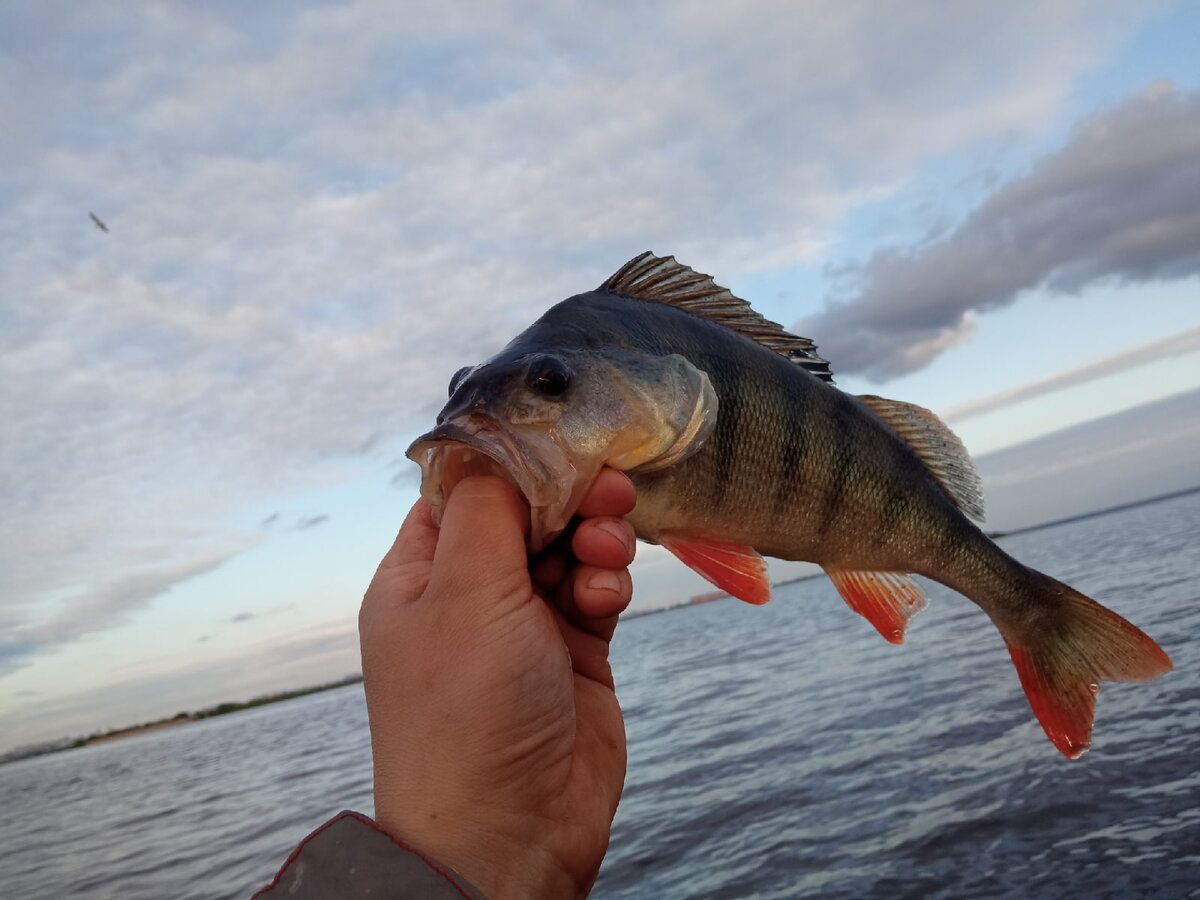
(780, 751)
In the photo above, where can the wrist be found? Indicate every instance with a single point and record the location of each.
(494, 859)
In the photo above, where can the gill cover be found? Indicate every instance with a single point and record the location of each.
(671, 409)
(549, 421)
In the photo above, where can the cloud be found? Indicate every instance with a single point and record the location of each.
(1175, 345)
(299, 523)
(1116, 203)
(247, 615)
(96, 607)
(319, 212)
(1146, 451)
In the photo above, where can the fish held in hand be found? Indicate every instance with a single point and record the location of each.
(740, 445)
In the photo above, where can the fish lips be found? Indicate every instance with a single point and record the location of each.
(479, 445)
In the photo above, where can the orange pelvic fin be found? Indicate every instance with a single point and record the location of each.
(731, 567)
(1062, 661)
(886, 599)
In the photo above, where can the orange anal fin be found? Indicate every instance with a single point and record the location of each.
(1063, 706)
(1062, 664)
(886, 599)
(731, 567)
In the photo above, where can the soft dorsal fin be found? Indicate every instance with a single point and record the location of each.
(938, 447)
(660, 279)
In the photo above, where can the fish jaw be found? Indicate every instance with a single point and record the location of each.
(529, 459)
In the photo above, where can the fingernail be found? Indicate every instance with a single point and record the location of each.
(619, 531)
(605, 580)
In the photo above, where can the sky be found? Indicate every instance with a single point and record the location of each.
(315, 213)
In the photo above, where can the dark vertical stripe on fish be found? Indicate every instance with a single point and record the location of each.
(889, 517)
(728, 433)
(843, 454)
(951, 544)
(791, 450)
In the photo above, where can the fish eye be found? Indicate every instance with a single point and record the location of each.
(548, 376)
(458, 377)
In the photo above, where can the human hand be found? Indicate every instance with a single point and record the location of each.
(498, 744)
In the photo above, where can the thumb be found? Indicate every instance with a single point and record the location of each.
(480, 557)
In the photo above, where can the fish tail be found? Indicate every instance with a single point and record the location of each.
(1064, 649)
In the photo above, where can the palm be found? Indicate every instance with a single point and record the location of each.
(584, 762)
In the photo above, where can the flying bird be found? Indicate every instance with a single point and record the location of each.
(98, 223)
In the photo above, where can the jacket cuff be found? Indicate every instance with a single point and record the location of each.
(351, 856)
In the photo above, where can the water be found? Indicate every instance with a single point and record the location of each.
(780, 751)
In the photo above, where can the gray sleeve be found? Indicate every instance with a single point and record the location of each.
(351, 856)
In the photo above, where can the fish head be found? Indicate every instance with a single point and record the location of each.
(548, 420)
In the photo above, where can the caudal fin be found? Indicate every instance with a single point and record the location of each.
(1063, 657)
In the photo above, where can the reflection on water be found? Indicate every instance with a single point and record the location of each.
(774, 752)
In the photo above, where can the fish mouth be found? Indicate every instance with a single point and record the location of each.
(530, 460)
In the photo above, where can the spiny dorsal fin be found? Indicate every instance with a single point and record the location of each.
(938, 447)
(660, 279)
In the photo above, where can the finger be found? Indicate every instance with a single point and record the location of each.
(600, 594)
(592, 599)
(403, 574)
(611, 494)
(548, 572)
(417, 538)
(480, 552)
(607, 541)
(588, 652)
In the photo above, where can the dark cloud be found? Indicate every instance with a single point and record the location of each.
(306, 522)
(15, 650)
(1118, 202)
(247, 616)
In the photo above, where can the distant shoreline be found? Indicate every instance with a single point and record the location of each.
(131, 731)
(182, 718)
(1079, 517)
(221, 709)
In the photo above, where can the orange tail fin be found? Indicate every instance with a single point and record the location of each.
(1061, 662)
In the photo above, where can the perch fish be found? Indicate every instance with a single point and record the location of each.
(740, 445)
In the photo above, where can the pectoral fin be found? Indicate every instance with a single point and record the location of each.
(731, 567)
(886, 599)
